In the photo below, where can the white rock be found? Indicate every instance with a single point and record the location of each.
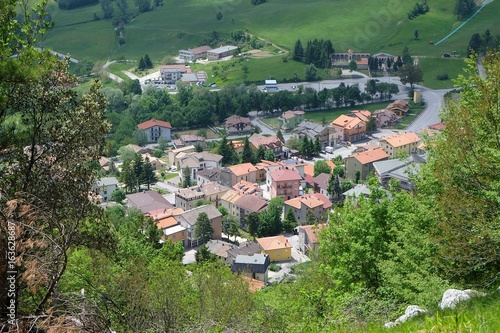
(410, 312)
(452, 297)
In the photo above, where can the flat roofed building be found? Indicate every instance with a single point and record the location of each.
(221, 52)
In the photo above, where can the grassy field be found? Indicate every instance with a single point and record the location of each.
(433, 67)
(373, 26)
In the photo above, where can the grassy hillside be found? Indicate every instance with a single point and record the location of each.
(478, 315)
(362, 25)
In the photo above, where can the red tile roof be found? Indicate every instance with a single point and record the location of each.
(242, 169)
(346, 122)
(153, 122)
(401, 139)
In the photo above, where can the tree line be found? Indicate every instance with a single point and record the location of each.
(129, 105)
(317, 53)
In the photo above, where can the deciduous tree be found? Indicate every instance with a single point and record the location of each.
(203, 228)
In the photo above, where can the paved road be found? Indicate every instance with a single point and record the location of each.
(434, 101)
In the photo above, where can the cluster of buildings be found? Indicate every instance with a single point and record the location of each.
(246, 188)
(361, 59)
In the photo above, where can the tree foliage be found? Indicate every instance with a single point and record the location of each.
(465, 163)
(203, 228)
(320, 166)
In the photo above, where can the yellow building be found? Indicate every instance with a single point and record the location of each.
(277, 248)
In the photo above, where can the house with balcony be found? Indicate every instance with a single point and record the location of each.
(283, 182)
(235, 125)
(406, 143)
(347, 129)
(170, 74)
(291, 119)
(155, 129)
(315, 202)
(363, 162)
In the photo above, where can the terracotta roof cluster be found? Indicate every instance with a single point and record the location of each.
(370, 156)
(153, 122)
(274, 243)
(401, 139)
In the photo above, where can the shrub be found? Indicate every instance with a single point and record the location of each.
(274, 267)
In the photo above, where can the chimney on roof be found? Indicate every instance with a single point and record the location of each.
(250, 253)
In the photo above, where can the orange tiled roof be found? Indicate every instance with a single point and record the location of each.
(312, 231)
(370, 156)
(309, 169)
(274, 243)
(364, 115)
(346, 122)
(166, 222)
(242, 169)
(153, 122)
(401, 139)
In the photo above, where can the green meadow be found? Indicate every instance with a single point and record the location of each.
(362, 25)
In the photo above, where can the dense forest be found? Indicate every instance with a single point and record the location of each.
(76, 267)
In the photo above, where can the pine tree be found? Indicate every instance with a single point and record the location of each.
(247, 154)
(147, 61)
(317, 146)
(149, 176)
(142, 64)
(290, 221)
(186, 173)
(279, 135)
(298, 51)
(138, 164)
(261, 152)
(203, 228)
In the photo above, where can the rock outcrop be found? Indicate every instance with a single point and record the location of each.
(452, 297)
(411, 311)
